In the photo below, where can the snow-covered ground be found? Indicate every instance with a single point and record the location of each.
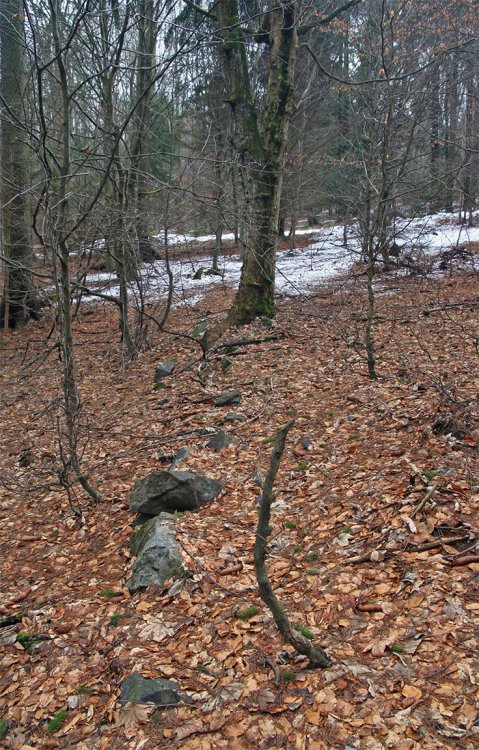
(185, 239)
(297, 271)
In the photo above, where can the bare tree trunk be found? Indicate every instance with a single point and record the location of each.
(368, 337)
(220, 192)
(451, 107)
(217, 248)
(16, 244)
(470, 166)
(293, 227)
(71, 397)
(116, 184)
(141, 148)
(235, 201)
(435, 114)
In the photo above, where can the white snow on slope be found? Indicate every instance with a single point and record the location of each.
(190, 239)
(297, 271)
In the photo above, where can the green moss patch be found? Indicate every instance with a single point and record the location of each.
(247, 613)
(57, 722)
(304, 631)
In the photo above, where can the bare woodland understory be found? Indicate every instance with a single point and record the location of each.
(387, 588)
(330, 596)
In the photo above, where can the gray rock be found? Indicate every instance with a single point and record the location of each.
(213, 272)
(138, 689)
(306, 443)
(163, 369)
(158, 553)
(165, 458)
(229, 398)
(226, 364)
(142, 518)
(207, 488)
(8, 635)
(207, 431)
(180, 456)
(220, 440)
(170, 491)
(75, 701)
(200, 328)
(234, 416)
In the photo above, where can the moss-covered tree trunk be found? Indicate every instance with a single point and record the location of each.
(262, 145)
(16, 245)
(141, 158)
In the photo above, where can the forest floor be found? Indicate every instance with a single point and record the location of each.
(390, 593)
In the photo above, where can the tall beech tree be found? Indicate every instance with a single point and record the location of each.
(265, 136)
(260, 132)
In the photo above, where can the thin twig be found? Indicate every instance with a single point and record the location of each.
(417, 471)
(245, 342)
(232, 592)
(425, 499)
(382, 555)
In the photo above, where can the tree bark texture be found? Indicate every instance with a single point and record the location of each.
(60, 235)
(263, 145)
(16, 245)
(141, 158)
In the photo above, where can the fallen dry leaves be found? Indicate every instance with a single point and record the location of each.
(392, 596)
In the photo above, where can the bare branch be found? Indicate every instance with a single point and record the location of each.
(301, 644)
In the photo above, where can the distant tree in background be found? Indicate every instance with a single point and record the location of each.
(16, 246)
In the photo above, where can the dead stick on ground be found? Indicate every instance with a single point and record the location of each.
(432, 310)
(382, 555)
(464, 560)
(246, 342)
(272, 665)
(316, 655)
(417, 471)
(427, 496)
(232, 592)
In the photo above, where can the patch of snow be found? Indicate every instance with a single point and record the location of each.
(185, 239)
(296, 270)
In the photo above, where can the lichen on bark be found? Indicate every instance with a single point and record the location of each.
(264, 142)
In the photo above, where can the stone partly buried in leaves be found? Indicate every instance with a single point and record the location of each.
(138, 689)
(170, 491)
(234, 416)
(163, 369)
(230, 398)
(158, 554)
(220, 440)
